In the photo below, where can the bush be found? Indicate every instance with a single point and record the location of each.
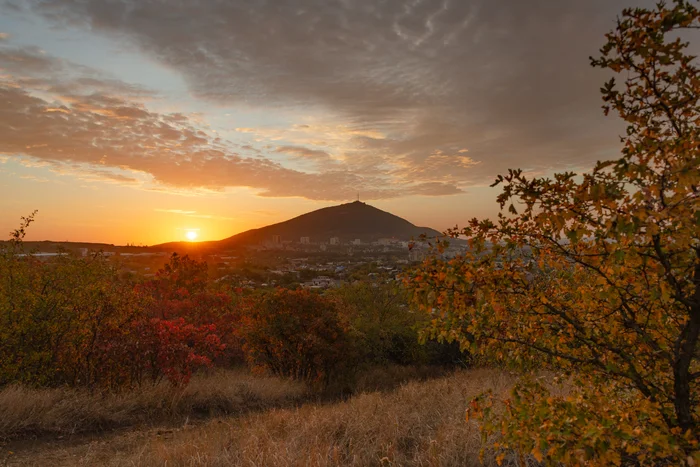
(294, 333)
(384, 329)
(181, 291)
(72, 321)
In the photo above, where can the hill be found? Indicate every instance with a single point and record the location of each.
(347, 222)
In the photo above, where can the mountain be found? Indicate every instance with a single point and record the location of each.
(350, 221)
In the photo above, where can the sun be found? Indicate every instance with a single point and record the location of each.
(191, 235)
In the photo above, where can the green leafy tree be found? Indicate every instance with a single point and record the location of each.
(596, 276)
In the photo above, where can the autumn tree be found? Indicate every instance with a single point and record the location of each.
(596, 276)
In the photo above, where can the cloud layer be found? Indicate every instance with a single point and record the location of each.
(416, 97)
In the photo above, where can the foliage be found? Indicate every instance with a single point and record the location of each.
(597, 275)
(294, 333)
(70, 320)
(173, 348)
(181, 291)
(181, 278)
(384, 330)
(381, 325)
(595, 431)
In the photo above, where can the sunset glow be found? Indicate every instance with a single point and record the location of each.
(191, 235)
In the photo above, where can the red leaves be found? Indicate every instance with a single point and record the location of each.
(174, 348)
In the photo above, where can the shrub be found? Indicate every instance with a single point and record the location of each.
(72, 321)
(294, 333)
(181, 291)
(384, 329)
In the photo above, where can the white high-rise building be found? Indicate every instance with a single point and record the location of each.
(335, 241)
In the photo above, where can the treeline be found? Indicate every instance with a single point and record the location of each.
(76, 321)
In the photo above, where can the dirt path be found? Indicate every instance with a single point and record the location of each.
(89, 449)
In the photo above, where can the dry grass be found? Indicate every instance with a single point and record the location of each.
(421, 424)
(28, 411)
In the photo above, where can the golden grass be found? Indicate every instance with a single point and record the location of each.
(420, 424)
(28, 411)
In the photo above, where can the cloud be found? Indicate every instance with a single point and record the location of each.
(389, 94)
(34, 179)
(120, 135)
(305, 153)
(100, 129)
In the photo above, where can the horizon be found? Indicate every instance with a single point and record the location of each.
(135, 123)
(194, 238)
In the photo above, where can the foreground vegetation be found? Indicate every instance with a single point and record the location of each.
(77, 322)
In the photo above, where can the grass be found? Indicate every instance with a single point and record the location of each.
(422, 423)
(66, 411)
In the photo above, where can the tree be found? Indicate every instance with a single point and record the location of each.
(597, 276)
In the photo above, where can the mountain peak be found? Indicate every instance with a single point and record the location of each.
(347, 222)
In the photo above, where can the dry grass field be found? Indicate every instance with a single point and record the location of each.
(64, 412)
(421, 423)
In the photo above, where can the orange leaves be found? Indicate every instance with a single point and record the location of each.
(537, 454)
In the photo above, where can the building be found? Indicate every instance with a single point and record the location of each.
(386, 241)
(335, 241)
(305, 240)
(357, 241)
(320, 282)
(276, 240)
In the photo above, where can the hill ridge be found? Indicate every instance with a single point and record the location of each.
(347, 222)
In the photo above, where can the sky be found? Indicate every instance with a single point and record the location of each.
(137, 121)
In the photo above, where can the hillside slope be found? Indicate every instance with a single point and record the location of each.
(348, 222)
